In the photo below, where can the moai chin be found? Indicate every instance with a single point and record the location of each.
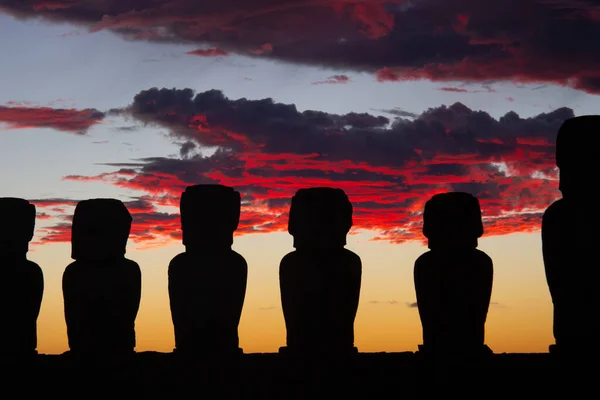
(569, 233)
(101, 288)
(22, 280)
(320, 281)
(453, 280)
(207, 283)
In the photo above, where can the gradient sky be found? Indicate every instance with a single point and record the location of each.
(393, 101)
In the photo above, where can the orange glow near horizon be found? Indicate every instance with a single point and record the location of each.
(519, 319)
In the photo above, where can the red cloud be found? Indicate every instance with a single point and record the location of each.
(376, 20)
(208, 52)
(268, 150)
(332, 80)
(66, 120)
(51, 5)
(265, 48)
(453, 89)
(43, 216)
(150, 225)
(484, 89)
(551, 41)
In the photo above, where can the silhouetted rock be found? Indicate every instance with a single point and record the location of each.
(569, 237)
(101, 288)
(22, 280)
(453, 280)
(375, 376)
(207, 283)
(320, 281)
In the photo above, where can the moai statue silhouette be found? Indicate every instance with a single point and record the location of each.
(453, 280)
(569, 236)
(320, 281)
(207, 283)
(22, 280)
(101, 288)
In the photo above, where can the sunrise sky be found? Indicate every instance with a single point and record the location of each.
(392, 101)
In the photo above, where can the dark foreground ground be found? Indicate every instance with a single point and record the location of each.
(270, 376)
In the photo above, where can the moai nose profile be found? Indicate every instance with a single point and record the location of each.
(569, 237)
(320, 281)
(101, 288)
(21, 280)
(207, 283)
(453, 280)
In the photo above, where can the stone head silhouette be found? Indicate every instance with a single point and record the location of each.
(452, 219)
(320, 217)
(453, 280)
(19, 226)
(210, 214)
(320, 281)
(569, 234)
(100, 230)
(577, 145)
(207, 283)
(101, 288)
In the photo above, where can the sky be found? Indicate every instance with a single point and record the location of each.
(392, 101)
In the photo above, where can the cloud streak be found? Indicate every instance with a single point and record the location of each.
(398, 40)
(151, 226)
(268, 150)
(65, 120)
(208, 53)
(332, 80)
(388, 302)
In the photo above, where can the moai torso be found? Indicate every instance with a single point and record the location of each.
(207, 283)
(566, 257)
(569, 238)
(453, 280)
(320, 281)
(21, 280)
(453, 295)
(101, 288)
